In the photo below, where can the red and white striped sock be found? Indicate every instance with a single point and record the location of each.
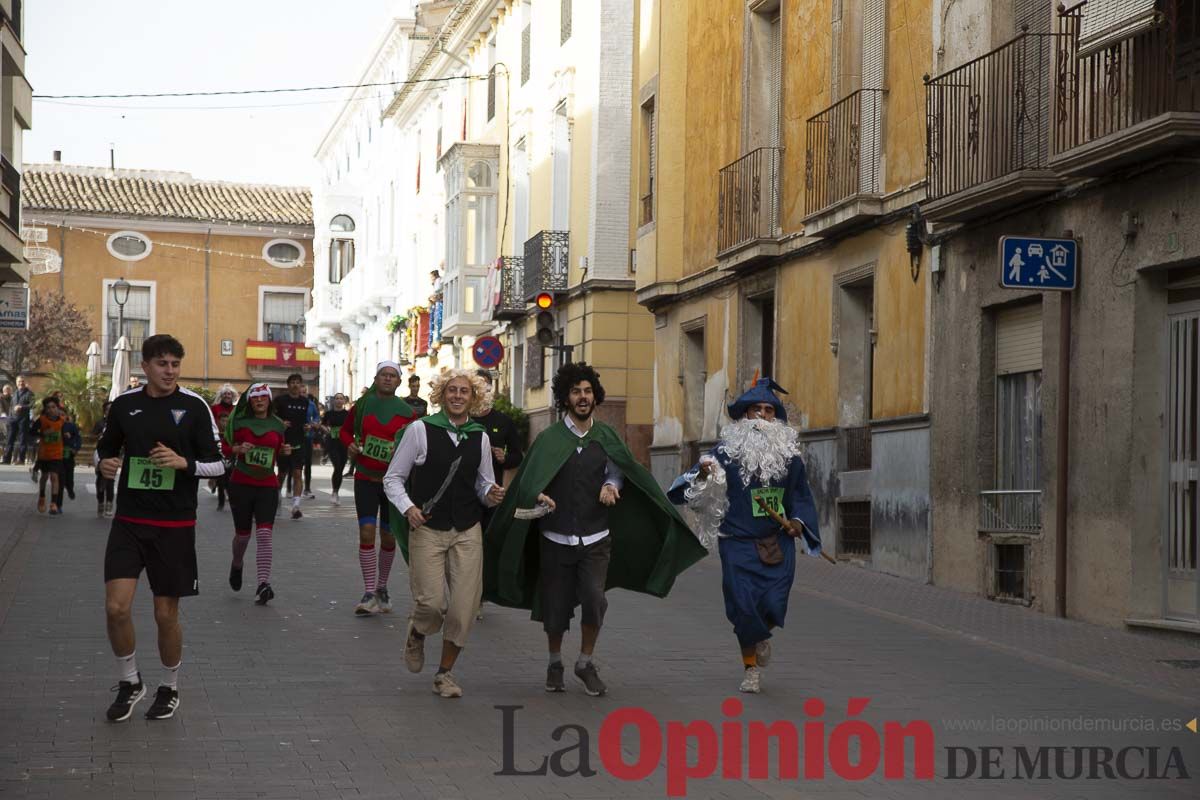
(366, 560)
(262, 558)
(241, 540)
(386, 556)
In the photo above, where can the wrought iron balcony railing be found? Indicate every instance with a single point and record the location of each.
(11, 179)
(990, 117)
(511, 304)
(841, 159)
(1010, 511)
(546, 263)
(748, 199)
(1154, 72)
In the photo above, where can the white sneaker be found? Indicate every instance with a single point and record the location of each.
(367, 606)
(752, 682)
(762, 652)
(383, 600)
(335, 501)
(414, 653)
(445, 686)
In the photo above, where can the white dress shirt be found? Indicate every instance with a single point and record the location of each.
(612, 476)
(411, 452)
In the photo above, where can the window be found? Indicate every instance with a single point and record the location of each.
(341, 224)
(520, 178)
(1008, 577)
(283, 253)
(693, 377)
(438, 142)
(854, 338)
(561, 168)
(647, 162)
(525, 45)
(283, 316)
(565, 21)
(1019, 398)
(491, 85)
(129, 246)
(854, 529)
(341, 259)
(762, 71)
(134, 321)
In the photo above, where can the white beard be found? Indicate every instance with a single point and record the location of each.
(762, 449)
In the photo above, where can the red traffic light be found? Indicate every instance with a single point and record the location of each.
(544, 300)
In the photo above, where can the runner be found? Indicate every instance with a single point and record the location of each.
(312, 428)
(414, 396)
(370, 434)
(105, 487)
(332, 422)
(72, 443)
(439, 481)
(48, 429)
(170, 442)
(292, 408)
(256, 439)
(750, 483)
(599, 501)
(227, 398)
(222, 483)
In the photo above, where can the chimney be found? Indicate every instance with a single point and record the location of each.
(58, 156)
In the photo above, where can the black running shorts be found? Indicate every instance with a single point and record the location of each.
(371, 504)
(253, 506)
(167, 554)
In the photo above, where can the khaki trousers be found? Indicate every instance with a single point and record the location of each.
(441, 561)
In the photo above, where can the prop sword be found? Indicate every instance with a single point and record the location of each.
(427, 506)
(779, 520)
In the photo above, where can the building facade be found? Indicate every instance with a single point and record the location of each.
(1067, 123)
(778, 156)
(16, 117)
(224, 267)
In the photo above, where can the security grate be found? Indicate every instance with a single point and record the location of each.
(1010, 571)
(854, 532)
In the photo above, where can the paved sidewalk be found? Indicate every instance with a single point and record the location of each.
(300, 699)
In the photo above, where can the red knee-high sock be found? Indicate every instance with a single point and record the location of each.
(386, 556)
(241, 540)
(366, 560)
(262, 558)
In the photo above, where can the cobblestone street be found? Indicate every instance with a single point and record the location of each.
(300, 699)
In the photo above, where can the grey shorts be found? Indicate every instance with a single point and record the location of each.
(573, 576)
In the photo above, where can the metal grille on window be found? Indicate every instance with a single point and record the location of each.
(525, 44)
(1009, 574)
(282, 312)
(136, 323)
(854, 530)
(566, 20)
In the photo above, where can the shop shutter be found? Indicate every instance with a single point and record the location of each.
(1019, 339)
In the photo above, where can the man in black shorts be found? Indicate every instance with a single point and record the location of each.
(292, 408)
(170, 442)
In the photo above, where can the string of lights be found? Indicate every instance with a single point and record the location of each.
(243, 92)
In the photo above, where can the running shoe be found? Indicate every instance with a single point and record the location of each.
(752, 681)
(41, 504)
(383, 600)
(128, 695)
(264, 594)
(296, 512)
(100, 509)
(34, 473)
(108, 508)
(70, 493)
(444, 685)
(235, 578)
(54, 510)
(554, 678)
(367, 606)
(309, 496)
(166, 700)
(762, 652)
(590, 679)
(335, 501)
(414, 651)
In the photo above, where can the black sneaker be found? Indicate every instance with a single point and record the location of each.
(71, 493)
(296, 513)
(235, 578)
(554, 678)
(128, 695)
(264, 594)
(591, 680)
(165, 703)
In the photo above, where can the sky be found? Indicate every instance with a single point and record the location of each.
(125, 46)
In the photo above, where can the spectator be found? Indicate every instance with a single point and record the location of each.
(18, 423)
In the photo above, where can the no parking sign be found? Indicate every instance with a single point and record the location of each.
(488, 352)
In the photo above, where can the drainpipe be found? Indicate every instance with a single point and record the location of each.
(1062, 453)
(207, 274)
(62, 254)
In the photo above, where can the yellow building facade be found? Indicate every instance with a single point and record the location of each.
(219, 266)
(778, 157)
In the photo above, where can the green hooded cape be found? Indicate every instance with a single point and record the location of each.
(243, 417)
(651, 542)
(397, 521)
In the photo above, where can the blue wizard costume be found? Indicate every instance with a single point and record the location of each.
(757, 461)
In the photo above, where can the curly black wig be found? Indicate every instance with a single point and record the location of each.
(569, 375)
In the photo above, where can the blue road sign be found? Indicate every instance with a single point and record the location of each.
(1045, 264)
(488, 352)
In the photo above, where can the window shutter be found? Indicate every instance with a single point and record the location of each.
(1019, 339)
(282, 308)
(835, 50)
(870, 111)
(534, 363)
(653, 155)
(1106, 22)
(774, 75)
(566, 21)
(525, 44)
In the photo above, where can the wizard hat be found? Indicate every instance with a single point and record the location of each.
(763, 391)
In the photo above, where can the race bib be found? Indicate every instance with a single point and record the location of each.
(378, 449)
(52, 437)
(144, 475)
(771, 496)
(335, 431)
(262, 457)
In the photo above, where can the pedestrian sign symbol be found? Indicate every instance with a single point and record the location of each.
(1045, 264)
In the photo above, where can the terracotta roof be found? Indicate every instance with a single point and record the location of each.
(163, 195)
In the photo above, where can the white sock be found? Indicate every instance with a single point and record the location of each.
(295, 502)
(583, 661)
(555, 658)
(171, 675)
(128, 666)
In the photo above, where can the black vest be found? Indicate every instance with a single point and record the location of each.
(576, 494)
(459, 506)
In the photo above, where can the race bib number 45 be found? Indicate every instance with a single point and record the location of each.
(144, 475)
(773, 498)
(263, 457)
(378, 449)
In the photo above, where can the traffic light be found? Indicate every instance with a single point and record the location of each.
(546, 333)
(544, 300)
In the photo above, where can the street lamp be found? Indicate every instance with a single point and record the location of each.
(120, 293)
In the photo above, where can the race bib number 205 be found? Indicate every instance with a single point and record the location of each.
(378, 449)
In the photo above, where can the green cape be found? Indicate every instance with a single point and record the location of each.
(397, 521)
(651, 542)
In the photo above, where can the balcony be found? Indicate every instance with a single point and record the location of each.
(546, 264)
(1132, 99)
(841, 163)
(748, 202)
(987, 131)
(511, 304)
(327, 306)
(1010, 511)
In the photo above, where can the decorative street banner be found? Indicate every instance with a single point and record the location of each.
(281, 354)
(14, 307)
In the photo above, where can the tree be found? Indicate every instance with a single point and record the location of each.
(58, 332)
(83, 396)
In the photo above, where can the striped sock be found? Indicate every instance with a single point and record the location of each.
(262, 559)
(386, 556)
(366, 560)
(241, 540)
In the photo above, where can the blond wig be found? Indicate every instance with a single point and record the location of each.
(481, 395)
